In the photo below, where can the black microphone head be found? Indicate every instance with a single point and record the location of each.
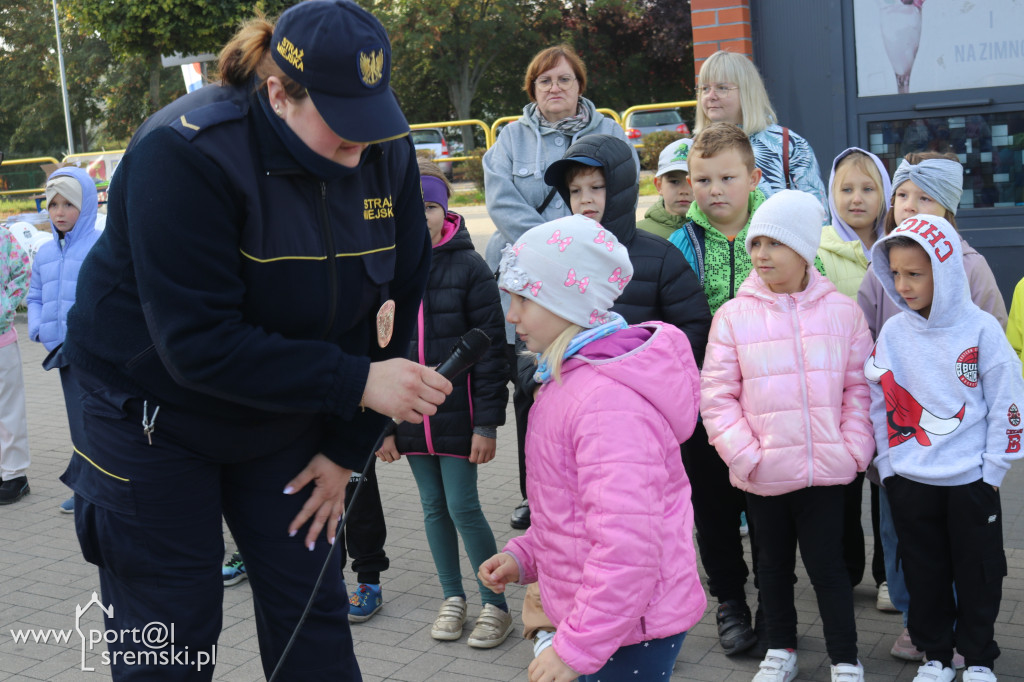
(476, 344)
(469, 350)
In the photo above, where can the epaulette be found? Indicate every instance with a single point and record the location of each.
(190, 123)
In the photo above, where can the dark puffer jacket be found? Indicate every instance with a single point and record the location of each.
(664, 287)
(461, 294)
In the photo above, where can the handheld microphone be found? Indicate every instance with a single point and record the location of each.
(468, 351)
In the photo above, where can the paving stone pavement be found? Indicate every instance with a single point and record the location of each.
(43, 578)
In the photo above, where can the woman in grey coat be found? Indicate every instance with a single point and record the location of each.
(517, 196)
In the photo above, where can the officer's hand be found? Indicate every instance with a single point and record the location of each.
(326, 503)
(404, 390)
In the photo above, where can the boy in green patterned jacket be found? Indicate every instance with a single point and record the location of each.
(724, 181)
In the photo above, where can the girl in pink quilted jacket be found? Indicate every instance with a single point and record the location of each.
(785, 404)
(611, 535)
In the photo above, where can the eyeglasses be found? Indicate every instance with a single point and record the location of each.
(721, 89)
(545, 82)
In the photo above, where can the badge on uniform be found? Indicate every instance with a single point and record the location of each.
(385, 323)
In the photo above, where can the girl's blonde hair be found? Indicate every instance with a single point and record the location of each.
(915, 158)
(248, 53)
(554, 353)
(864, 163)
(729, 67)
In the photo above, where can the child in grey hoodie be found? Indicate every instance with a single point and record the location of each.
(946, 391)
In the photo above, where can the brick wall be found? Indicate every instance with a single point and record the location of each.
(720, 25)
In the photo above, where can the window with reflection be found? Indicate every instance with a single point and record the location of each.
(990, 146)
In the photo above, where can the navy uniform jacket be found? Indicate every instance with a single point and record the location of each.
(231, 283)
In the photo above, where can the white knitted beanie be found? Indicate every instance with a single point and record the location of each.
(791, 217)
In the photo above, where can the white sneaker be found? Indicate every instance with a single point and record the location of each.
(779, 665)
(979, 673)
(848, 672)
(450, 619)
(932, 671)
(883, 602)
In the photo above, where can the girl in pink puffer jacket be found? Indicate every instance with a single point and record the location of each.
(785, 403)
(611, 535)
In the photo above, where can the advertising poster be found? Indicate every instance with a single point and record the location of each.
(933, 45)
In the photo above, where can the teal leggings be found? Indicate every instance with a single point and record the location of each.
(450, 503)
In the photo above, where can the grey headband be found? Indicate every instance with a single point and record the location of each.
(941, 179)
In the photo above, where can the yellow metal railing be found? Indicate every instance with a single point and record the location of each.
(100, 164)
(508, 119)
(33, 161)
(692, 103)
(614, 115)
(488, 135)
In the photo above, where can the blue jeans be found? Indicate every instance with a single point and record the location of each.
(651, 660)
(898, 594)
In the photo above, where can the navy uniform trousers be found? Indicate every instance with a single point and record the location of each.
(149, 516)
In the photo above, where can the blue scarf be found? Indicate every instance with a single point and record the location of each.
(616, 322)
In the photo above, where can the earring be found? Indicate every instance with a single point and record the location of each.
(277, 110)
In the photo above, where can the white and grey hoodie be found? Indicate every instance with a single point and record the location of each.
(946, 390)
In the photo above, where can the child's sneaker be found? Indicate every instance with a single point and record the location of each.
(932, 671)
(979, 673)
(450, 619)
(734, 631)
(779, 665)
(744, 528)
(904, 649)
(233, 570)
(364, 603)
(492, 628)
(883, 602)
(68, 506)
(848, 672)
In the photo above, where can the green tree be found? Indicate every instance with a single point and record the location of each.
(443, 51)
(140, 32)
(457, 59)
(31, 105)
(636, 51)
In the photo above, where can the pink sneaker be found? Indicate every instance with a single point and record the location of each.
(904, 649)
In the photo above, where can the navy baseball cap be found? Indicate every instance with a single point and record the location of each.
(341, 54)
(554, 176)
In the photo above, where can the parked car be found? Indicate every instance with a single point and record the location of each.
(432, 139)
(639, 124)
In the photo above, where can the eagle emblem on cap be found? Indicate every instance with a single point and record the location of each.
(371, 66)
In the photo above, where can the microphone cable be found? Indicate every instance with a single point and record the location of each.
(467, 351)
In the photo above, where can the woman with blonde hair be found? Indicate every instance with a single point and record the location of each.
(730, 89)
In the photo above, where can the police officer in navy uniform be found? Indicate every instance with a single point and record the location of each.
(239, 337)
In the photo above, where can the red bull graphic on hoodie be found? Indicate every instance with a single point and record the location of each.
(907, 418)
